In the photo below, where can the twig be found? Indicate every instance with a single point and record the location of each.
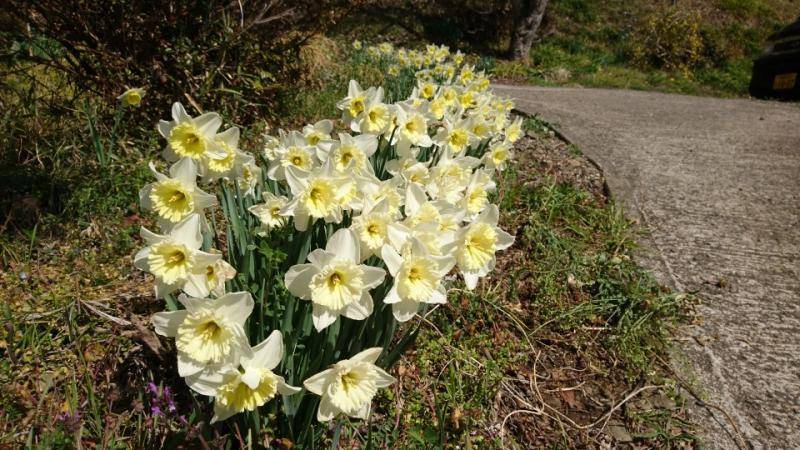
(88, 304)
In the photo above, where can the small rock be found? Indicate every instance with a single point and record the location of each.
(619, 433)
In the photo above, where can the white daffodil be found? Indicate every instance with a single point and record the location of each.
(317, 132)
(317, 195)
(417, 278)
(438, 108)
(247, 386)
(172, 258)
(514, 131)
(476, 244)
(355, 103)
(499, 121)
(249, 176)
(410, 170)
(272, 145)
(376, 118)
(176, 196)
(294, 152)
(476, 196)
(479, 127)
(334, 280)
(132, 97)
(386, 48)
(450, 95)
(454, 136)
(269, 212)
(466, 75)
(420, 210)
(426, 89)
(412, 128)
(450, 177)
(189, 137)
(208, 331)
(211, 280)
(498, 155)
(373, 227)
(349, 386)
(224, 167)
(458, 57)
(466, 99)
(375, 191)
(350, 154)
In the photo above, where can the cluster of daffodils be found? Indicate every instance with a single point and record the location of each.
(400, 193)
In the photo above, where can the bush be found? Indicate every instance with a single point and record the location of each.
(669, 38)
(248, 48)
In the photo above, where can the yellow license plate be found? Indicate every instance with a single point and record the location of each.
(784, 81)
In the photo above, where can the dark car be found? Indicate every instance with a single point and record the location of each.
(775, 72)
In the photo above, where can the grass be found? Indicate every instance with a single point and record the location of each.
(78, 355)
(595, 44)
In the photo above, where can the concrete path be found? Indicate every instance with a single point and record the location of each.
(717, 183)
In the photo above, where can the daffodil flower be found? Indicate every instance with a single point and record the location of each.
(514, 131)
(476, 196)
(386, 48)
(450, 177)
(176, 196)
(132, 97)
(454, 136)
(190, 137)
(249, 176)
(224, 167)
(249, 385)
(269, 212)
(376, 118)
(498, 155)
(479, 127)
(374, 191)
(420, 210)
(318, 132)
(466, 75)
(417, 278)
(174, 257)
(318, 195)
(374, 227)
(208, 331)
(412, 126)
(350, 154)
(476, 244)
(410, 170)
(355, 103)
(271, 147)
(212, 279)
(349, 386)
(334, 280)
(294, 152)
(458, 58)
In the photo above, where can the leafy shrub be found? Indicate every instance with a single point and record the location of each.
(248, 48)
(669, 38)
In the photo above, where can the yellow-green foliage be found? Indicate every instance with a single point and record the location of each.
(669, 38)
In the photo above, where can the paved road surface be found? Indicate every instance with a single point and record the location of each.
(717, 182)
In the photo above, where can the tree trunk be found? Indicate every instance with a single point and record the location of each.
(525, 27)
